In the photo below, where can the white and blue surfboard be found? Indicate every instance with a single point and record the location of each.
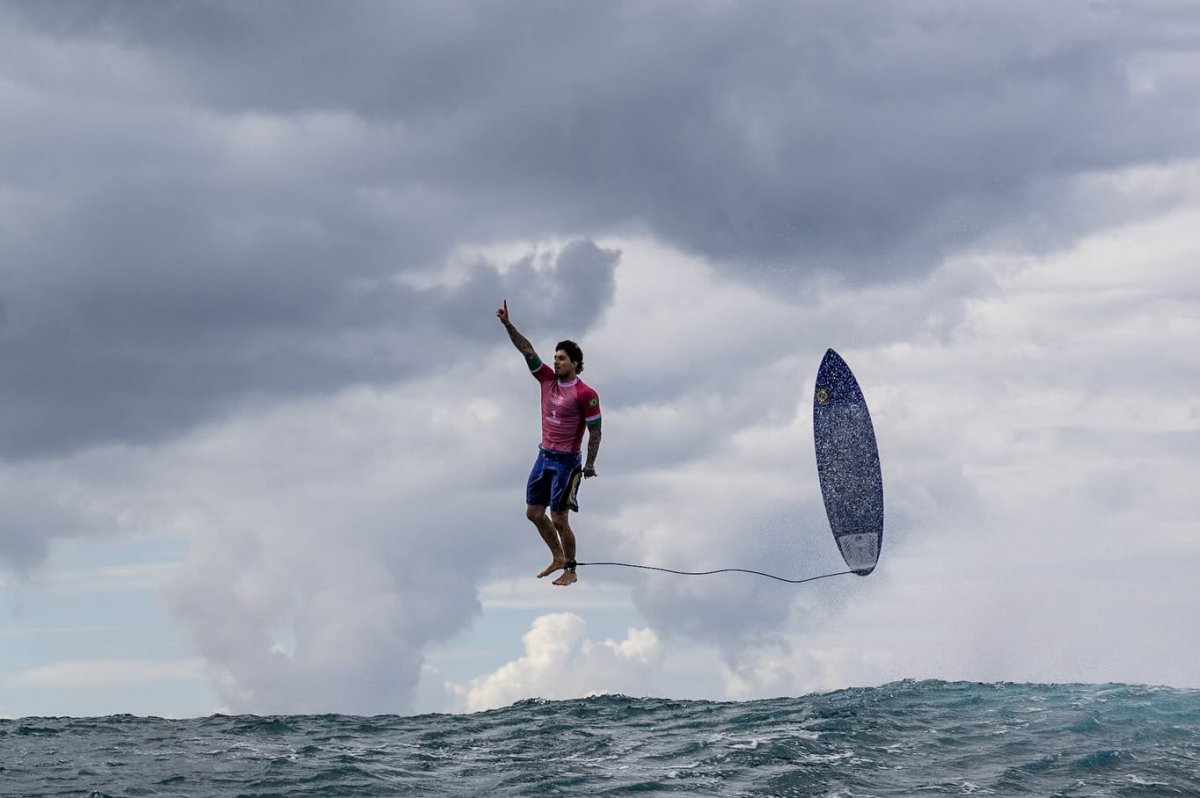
(848, 464)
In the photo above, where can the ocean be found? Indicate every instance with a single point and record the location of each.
(910, 738)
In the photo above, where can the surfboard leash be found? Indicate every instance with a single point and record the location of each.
(719, 571)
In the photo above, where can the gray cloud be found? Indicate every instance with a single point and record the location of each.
(816, 134)
(147, 350)
(207, 206)
(23, 540)
(197, 194)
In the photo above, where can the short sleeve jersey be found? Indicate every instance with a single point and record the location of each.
(567, 407)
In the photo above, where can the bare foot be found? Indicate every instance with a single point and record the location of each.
(568, 578)
(556, 565)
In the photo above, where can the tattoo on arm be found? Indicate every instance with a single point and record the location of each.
(593, 443)
(523, 346)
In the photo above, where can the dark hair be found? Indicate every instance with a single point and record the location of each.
(573, 352)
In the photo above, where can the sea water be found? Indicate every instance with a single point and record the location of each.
(907, 738)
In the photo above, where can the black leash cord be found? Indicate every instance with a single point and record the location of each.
(718, 571)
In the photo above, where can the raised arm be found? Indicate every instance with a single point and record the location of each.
(519, 341)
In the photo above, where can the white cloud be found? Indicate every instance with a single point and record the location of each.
(335, 539)
(560, 662)
(129, 576)
(1037, 422)
(1038, 466)
(106, 673)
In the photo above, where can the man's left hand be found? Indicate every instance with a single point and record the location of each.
(588, 471)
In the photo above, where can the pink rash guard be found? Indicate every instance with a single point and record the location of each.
(567, 407)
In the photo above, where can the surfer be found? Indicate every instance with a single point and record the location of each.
(568, 406)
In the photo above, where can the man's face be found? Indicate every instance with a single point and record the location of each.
(563, 367)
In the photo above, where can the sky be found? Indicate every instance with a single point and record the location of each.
(263, 442)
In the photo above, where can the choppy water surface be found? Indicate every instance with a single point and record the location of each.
(907, 738)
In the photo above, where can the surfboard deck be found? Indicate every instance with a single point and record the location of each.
(848, 464)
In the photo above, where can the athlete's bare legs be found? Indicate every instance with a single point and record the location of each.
(567, 536)
(549, 533)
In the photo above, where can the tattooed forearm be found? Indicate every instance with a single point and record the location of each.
(593, 444)
(522, 344)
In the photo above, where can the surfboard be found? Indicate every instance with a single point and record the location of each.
(848, 464)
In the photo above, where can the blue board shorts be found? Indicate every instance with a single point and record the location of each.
(554, 480)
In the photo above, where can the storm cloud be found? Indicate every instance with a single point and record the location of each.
(251, 254)
(210, 201)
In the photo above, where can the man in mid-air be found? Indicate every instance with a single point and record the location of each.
(568, 406)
